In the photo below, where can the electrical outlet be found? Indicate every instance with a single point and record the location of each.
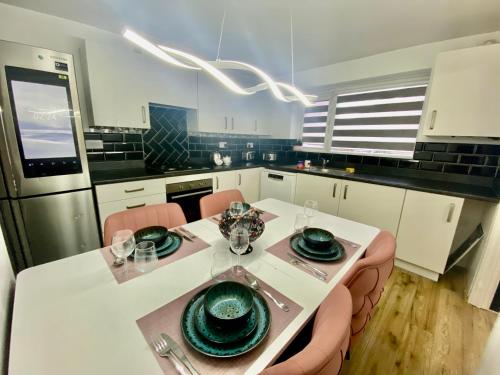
(250, 145)
(222, 144)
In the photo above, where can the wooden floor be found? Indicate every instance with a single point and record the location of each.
(422, 327)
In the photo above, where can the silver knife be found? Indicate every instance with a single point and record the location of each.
(188, 233)
(176, 349)
(307, 264)
(182, 235)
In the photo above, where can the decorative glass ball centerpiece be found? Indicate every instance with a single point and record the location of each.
(249, 219)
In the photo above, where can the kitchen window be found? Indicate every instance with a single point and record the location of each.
(380, 122)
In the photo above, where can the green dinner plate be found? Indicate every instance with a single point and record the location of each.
(223, 335)
(330, 256)
(329, 251)
(172, 243)
(233, 349)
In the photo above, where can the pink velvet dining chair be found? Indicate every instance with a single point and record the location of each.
(165, 214)
(324, 354)
(216, 203)
(366, 280)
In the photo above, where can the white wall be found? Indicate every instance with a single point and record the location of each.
(401, 62)
(6, 293)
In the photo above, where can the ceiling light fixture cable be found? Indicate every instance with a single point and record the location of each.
(220, 35)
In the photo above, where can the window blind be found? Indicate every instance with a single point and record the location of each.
(314, 128)
(380, 123)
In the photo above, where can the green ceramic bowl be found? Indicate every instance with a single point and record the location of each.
(318, 238)
(156, 234)
(228, 303)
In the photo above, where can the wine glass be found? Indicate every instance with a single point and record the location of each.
(310, 208)
(236, 208)
(221, 262)
(145, 257)
(123, 244)
(301, 221)
(239, 241)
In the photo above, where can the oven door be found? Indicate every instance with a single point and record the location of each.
(41, 126)
(189, 201)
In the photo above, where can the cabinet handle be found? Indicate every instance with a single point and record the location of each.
(345, 191)
(433, 119)
(133, 190)
(136, 205)
(143, 108)
(239, 179)
(334, 189)
(225, 122)
(450, 212)
(217, 182)
(232, 123)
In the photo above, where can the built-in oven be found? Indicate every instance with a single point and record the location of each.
(188, 195)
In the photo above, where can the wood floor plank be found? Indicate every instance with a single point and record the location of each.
(422, 327)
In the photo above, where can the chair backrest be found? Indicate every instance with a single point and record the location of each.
(165, 214)
(325, 353)
(216, 203)
(367, 278)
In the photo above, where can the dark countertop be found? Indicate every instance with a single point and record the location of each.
(446, 187)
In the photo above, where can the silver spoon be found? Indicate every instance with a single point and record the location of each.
(254, 284)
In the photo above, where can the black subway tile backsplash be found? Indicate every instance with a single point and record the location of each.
(112, 137)
(431, 166)
(456, 168)
(133, 138)
(442, 156)
(437, 147)
(488, 149)
(461, 148)
(170, 142)
(124, 147)
(422, 155)
(483, 171)
(472, 159)
(492, 161)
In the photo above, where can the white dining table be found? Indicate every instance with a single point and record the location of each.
(72, 317)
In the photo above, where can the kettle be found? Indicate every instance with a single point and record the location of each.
(217, 158)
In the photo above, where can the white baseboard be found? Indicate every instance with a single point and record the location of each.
(434, 276)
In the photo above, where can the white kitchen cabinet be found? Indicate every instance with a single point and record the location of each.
(222, 111)
(108, 208)
(248, 182)
(426, 230)
(464, 93)
(224, 181)
(376, 205)
(113, 79)
(326, 191)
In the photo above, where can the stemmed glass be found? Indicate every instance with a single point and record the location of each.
(221, 261)
(145, 257)
(123, 244)
(239, 241)
(310, 208)
(301, 222)
(236, 208)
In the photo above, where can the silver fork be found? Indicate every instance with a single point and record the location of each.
(161, 347)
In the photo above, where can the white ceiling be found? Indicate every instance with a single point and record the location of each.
(258, 31)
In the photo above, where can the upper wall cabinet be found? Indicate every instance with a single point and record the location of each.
(121, 82)
(222, 111)
(465, 94)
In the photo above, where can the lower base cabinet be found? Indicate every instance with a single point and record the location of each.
(324, 190)
(108, 208)
(426, 230)
(376, 205)
(248, 182)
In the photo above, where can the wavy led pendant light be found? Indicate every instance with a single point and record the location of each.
(189, 61)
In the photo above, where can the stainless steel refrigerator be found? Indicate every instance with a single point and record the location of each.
(46, 200)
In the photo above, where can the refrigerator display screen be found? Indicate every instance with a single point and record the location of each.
(44, 119)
